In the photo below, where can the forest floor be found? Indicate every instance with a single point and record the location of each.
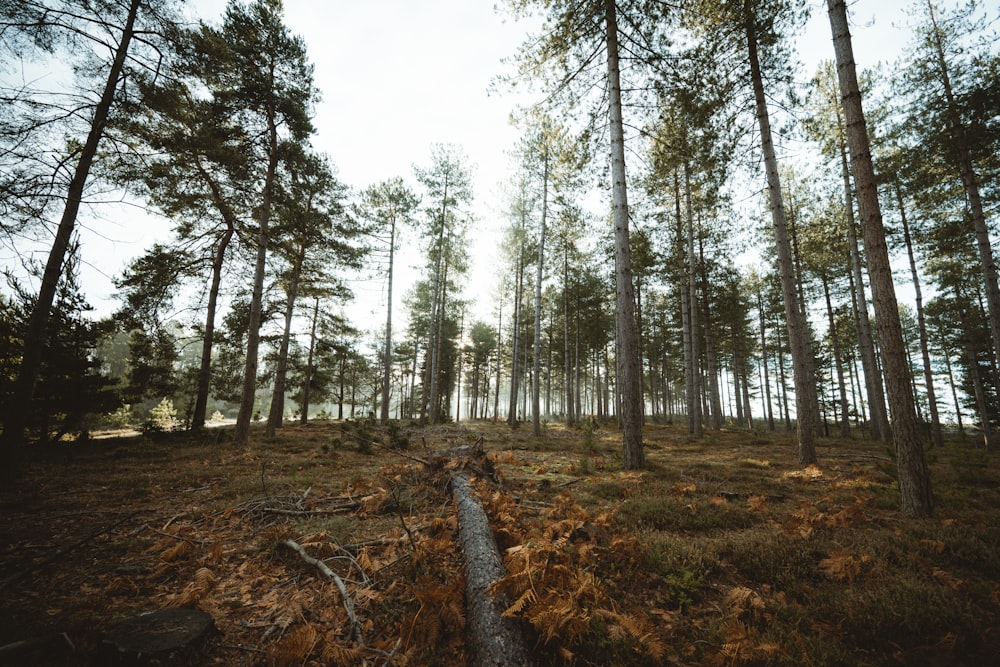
(723, 551)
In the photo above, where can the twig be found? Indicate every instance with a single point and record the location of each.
(336, 510)
(180, 538)
(330, 574)
(401, 453)
(51, 557)
(23, 646)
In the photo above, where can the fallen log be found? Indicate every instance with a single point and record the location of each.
(494, 641)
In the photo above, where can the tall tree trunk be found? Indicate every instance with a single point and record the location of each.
(307, 384)
(567, 367)
(536, 416)
(845, 424)
(798, 339)
(15, 413)
(784, 412)
(496, 395)
(936, 435)
(763, 362)
(429, 378)
(276, 414)
(697, 384)
(954, 393)
(914, 477)
(869, 363)
(711, 360)
(813, 398)
(686, 333)
(458, 373)
(972, 363)
(205, 369)
(242, 433)
(387, 352)
(436, 399)
(746, 392)
(515, 376)
(630, 389)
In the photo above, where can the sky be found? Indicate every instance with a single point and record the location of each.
(398, 76)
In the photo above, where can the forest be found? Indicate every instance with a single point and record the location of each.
(733, 400)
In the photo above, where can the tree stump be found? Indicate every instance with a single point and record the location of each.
(164, 638)
(494, 641)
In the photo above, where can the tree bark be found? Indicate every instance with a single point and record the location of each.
(276, 415)
(798, 341)
(15, 416)
(914, 478)
(304, 418)
(711, 360)
(869, 363)
(515, 377)
(630, 390)
(387, 352)
(685, 299)
(763, 355)
(242, 432)
(495, 641)
(845, 424)
(536, 375)
(205, 371)
(936, 435)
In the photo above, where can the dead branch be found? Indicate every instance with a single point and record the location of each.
(8, 651)
(339, 509)
(332, 576)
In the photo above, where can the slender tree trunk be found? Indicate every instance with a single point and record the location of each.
(914, 477)
(515, 376)
(711, 360)
(954, 393)
(798, 340)
(567, 367)
(746, 392)
(205, 369)
(686, 333)
(307, 385)
(630, 389)
(496, 395)
(785, 413)
(15, 413)
(429, 378)
(763, 362)
(387, 352)
(436, 398)
(537, 377)
(458, 373)
(936, 435)
(972, 364)
(869, 363)
(242, 432)
(813, 397)
(275, 415)
(845, 424)
(697, 385)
